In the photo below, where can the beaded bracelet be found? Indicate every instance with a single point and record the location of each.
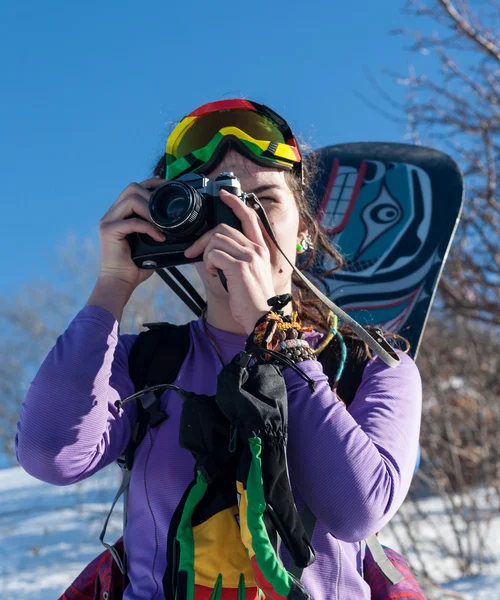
(283, 334)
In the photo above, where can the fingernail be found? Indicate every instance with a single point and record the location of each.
(226, 192)
(188, 252)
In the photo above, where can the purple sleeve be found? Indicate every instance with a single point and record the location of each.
(69, 427)
(353, 467)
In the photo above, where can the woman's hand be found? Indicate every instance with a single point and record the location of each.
(243, 258)
(119, 275)
(128, 214)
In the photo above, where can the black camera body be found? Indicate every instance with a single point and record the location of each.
(184, 209)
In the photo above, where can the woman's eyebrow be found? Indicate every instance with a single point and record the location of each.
(266, 187)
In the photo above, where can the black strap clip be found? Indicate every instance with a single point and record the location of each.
(278, 303)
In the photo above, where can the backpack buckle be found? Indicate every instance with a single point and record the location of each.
(242, 359)
(126, 460)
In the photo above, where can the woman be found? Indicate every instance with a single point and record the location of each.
(352, 467)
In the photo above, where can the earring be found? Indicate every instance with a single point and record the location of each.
(304, 244)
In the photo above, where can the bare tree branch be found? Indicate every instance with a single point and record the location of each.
(482, 39)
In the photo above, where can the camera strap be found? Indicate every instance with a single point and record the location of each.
(183, 288)
(188, 294)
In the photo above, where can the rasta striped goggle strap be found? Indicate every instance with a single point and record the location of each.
(200, 138)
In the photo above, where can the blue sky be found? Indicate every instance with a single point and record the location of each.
(89, 90)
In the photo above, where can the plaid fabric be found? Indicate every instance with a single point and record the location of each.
(102, 576)
(100, 580)
(382, 589)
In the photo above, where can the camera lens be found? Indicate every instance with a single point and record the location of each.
(177, 208)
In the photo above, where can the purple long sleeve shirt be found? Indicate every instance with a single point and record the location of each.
(352, 467)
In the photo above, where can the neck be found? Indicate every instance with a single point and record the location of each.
(218, 315)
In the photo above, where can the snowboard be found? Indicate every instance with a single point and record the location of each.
(392, 210)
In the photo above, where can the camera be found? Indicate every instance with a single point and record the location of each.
(184, 209)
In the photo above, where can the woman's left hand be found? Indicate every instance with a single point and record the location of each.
(243, 258)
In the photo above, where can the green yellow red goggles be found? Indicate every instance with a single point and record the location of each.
(200, 138)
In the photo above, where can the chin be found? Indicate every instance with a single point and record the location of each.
(212, 285)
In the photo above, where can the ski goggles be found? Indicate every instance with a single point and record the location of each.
(201, 138)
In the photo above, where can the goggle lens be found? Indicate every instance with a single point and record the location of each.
(205, 128)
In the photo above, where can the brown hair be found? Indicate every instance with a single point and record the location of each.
(310, 309)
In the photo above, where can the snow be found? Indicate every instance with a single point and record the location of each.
(435, 539)
(48, 534)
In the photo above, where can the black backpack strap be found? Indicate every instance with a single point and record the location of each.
(156, 357)
(157, 354)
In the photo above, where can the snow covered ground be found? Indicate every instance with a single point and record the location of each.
(48, 534)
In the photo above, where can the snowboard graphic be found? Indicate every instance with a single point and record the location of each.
(392, 210)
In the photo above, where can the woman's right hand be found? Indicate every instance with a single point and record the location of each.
(128, 214)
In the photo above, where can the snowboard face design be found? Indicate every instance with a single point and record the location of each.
(391, 210)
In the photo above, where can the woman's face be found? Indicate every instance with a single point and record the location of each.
(270, 187)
